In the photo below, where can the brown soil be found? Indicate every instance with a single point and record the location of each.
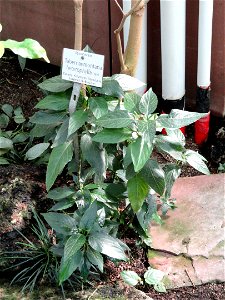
(19, 89)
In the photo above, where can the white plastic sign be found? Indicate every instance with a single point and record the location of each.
(82, 67)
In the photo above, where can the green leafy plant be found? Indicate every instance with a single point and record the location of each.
(82, 239)
(151, 276)
(108, 143)
(16, 142)
(28, 48)
(221, 168)
(35, 261)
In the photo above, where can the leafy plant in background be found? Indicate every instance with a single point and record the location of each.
(13, 134)
(28, 48)
(117, 180)
(16, 142)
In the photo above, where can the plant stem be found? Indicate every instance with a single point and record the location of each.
(78, 5)
(129, 60)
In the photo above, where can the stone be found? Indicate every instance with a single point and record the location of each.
(190, 245)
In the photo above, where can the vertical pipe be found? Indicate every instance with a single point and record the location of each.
(204, 68)
(173, 26)
(173, 16)
(204, 42)
(141, 71)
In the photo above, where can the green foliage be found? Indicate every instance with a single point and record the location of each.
(130, 277)
(17, 143)
(83, 240)
(221, 168)
(34, 261)
(151, 276)
(107, 144)
(28, 48)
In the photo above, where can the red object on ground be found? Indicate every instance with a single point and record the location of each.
(202, 129)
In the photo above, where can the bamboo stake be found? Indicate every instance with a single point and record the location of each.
(78, 6)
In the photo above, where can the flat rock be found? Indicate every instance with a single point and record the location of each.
(190, 246)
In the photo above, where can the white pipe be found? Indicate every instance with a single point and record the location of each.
(204, 42)
(141, 71)
(173, 19)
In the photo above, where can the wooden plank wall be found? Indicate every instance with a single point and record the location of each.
(52, 24)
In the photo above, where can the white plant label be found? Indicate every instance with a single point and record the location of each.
(82, 67)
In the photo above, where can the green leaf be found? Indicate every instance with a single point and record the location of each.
(89, 217)
(22, 62)
(5, 143)
(28, 48)
(3, 161)
(68, 266)
(36, 151)
(171, 146)
(140, 153)
(77, 119)
(197, 161)
(154, 176)
(177, 136)
(148, 103)
(94, 154)
(179, 118)
(153, 276)
(45, 118)
(60, 193)
(116, 189)
(172, 172)
(110, 87)
(18, 111)
(61, 223)
(4, 121)
(59, 157)
(144, 215)
(148, 130)
(55, 84)
(57, 102)
(18, 115)
(160, 287)
(95, 258)
(130, 171)
(7, 109)
(20, 137)
(131, 102)
(156, 217)
(73, 244)
(98, 106)
(112, 136)
(40, 130)
(62, 204)
(130, 277)
(61, 136)
(137, 191)
(106, 244)
(115, 119)
(2, 48)
(128, 83)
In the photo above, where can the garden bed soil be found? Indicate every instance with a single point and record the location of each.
(20, 89)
